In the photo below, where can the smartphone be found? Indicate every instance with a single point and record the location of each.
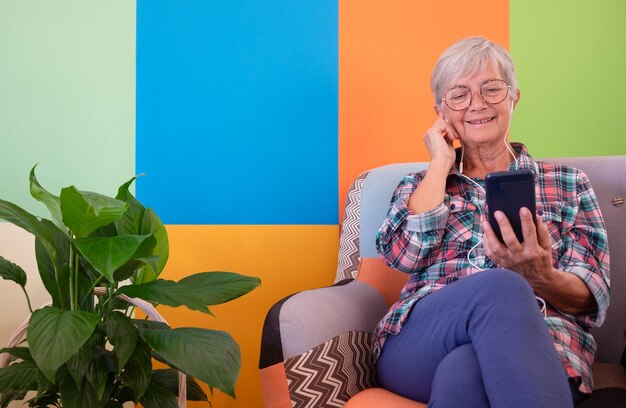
(508, 191)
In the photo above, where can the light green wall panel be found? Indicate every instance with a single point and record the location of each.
(571, 65)
(67, 95)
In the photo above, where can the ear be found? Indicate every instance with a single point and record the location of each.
(519, 94)
(439, 112)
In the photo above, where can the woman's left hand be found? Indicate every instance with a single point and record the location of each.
(532, 258)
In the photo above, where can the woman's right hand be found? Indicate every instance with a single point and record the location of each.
(430, 192)
(438, 140)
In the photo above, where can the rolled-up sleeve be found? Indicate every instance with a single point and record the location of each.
(405, 241)
(585, 251)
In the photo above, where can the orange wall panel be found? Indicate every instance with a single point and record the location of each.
(287, 258)
(386, 53)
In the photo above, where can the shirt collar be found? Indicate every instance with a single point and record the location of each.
(524, 159)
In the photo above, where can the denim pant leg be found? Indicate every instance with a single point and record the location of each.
(497, 313)
(458, 378)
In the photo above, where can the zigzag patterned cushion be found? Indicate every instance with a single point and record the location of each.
(348, 262)
(302, 364)
(331, 373)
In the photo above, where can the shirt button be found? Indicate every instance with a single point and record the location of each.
(452, 206)
(540, 213)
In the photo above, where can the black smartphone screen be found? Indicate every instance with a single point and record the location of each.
(508, 191)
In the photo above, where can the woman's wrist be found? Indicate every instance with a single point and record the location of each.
(565, 291)
(431, 190)
(441, 166)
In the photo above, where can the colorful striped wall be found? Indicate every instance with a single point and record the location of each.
(251, 118)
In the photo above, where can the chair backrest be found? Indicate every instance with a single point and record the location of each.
(369, 198)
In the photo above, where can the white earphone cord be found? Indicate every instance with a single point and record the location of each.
(516, 160)
(481, 187)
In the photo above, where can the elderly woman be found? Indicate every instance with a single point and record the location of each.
(482, 322)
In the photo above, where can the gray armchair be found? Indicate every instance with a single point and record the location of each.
(316, 344)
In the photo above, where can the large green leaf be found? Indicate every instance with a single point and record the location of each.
(169, 377)
(58, 242)
(108, 230)
(101, 369)
(46, 266)
(86, 278)
(19, 376)
(123, 335)
(215, 288)
(138, 370)
(12, 272)
(209, 355)
(152, 224)
(145, 255)
(21, 218)
(64, 287)
(107, 254)
(25, 220)
(22, 353)
(165, 292)
(54, 335)
(78, 364)
(84, 211)
(158, 395)
(82, 396)
(150, 324)
(52, 257)
(131, 222)
(138, 220)
(134, 265)
(43, 385)
(51, 201)
(7, 397)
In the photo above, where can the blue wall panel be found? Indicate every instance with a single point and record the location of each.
(237, 111)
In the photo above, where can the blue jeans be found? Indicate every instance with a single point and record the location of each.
(479, 342)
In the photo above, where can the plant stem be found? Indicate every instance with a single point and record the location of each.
(76, 266)
(110, 299)
(130, 311)
(56, 281)
(90, 291)
(108, 302)
(71, 258)
(30, 307)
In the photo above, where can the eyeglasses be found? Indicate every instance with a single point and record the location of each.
(492, 91)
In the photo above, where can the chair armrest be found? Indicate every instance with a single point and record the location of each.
(306, 319)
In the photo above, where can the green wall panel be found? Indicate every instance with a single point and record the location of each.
(67, 95)
(571, 65)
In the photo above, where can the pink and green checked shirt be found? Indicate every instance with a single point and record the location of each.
(433, 246)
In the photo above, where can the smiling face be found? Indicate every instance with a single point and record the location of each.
(481, 123)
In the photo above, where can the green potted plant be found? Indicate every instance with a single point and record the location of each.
(98, 258)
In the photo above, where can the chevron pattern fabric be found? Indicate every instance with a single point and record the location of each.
(348, 262)
(331, 373)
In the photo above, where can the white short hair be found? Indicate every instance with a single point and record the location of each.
(468, 57)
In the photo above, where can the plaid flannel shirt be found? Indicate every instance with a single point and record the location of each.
(433, 246)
